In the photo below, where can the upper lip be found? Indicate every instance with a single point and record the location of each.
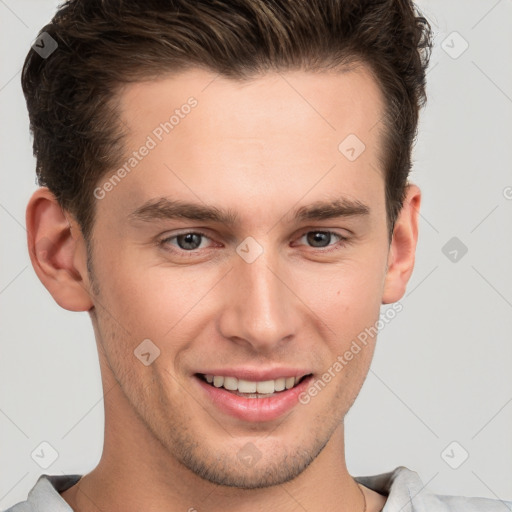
(257, 374)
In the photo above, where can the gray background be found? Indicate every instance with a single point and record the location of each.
(441, 371)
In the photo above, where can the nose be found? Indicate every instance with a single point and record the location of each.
(259, 309)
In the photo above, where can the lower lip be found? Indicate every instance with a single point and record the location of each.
(254, 409)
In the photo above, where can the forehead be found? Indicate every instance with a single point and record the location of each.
(278, 133)
(247, 107)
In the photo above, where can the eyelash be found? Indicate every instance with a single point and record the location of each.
(164, 241)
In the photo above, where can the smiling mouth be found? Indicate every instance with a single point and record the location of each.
(252, 389)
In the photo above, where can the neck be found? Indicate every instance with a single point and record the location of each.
(136, 472)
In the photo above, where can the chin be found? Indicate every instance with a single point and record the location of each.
(248, 468)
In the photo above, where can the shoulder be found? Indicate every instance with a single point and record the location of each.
(406, 492)
(45, 495)
(471, 504)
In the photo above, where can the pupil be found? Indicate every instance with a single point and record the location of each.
(190, 239)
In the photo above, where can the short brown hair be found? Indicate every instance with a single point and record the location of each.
(103, 44)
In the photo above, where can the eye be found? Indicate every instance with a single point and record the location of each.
(188, 241)
(320, 239)
(191, 241)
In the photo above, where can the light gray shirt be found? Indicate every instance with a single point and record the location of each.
(404, 490)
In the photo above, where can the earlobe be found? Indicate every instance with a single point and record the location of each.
(57, 255)
(402, 250)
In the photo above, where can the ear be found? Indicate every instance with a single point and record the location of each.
(57, 251)
(402, 249)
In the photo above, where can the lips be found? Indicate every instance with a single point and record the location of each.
(252, 406)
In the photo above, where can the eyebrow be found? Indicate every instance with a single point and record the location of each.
(164, 208)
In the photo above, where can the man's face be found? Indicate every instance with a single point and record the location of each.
(267, 292)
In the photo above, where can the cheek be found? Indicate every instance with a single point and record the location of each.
(143, 299)
(348, 297)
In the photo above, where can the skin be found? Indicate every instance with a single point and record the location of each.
(261, 149)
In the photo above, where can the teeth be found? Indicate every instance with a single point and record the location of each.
(246, 386)
(290, 382)
(265, 387)
(231, 383)
(280, 384)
